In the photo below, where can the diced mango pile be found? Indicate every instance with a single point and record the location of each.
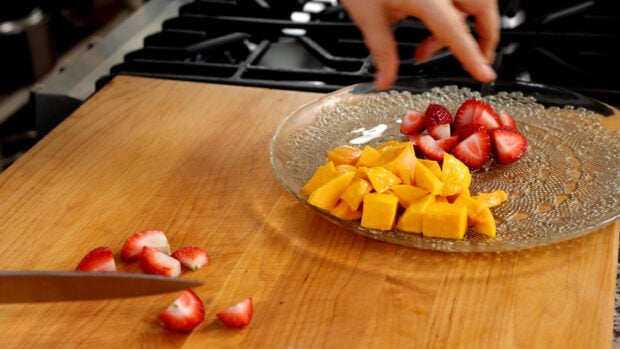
(387, 187)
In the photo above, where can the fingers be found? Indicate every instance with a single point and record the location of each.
(450, 29)
(374, 21)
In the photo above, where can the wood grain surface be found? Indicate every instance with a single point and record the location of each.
(193, 160)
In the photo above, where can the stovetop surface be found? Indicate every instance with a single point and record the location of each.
(314, 46)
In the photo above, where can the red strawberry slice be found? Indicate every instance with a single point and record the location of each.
(475, 150)
(448, 143)
(132, 249)
(159, 263)
(505, 119)
(101, 259)
(192, 257)
(239, 315)
(413, 122)
(476, 111)
(467, 130)
(438, 121)
(428, 146)
(509, 144)
(185, 313)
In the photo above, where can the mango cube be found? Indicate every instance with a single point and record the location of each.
(407, 193)
(433, 166)
(445, 220)
(479, 216)
(327, 195)
(456, 175)
(355, 191)
(492, 199)
(344, 212)
(379, 211)
(426, 179)
(400, 159)
(322, 175)
(411, 220)
(369, 155)
(345, 154)
(381, 178)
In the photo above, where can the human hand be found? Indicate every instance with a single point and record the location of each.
(446, 20)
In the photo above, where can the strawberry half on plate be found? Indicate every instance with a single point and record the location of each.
(185, 313)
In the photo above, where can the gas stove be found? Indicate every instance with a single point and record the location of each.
(312, 45)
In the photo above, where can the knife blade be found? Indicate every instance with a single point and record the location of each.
(51, 286)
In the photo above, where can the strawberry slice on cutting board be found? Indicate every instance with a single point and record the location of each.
(132, 248)
(185, 313)
(238, 315)
(100, 259)
(192, 257)
(159, 263)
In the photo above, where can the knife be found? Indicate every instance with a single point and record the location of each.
(50, 286)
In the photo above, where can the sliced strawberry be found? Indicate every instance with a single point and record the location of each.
(185, 313)
(467, 130)
(505, 119)
(428, 146)
(192, 257)
(132, 249)
(101, 259)
(448, 143)
(438, 121)
(476, 111)
(159, 263)
(509, 144)
(239, 315)
(475, 150)
(413, 122)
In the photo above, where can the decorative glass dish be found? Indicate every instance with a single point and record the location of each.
(567, 184)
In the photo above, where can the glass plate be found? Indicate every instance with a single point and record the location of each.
(565, 186)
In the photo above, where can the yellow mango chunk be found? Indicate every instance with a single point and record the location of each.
(411, 220)
(433, 166)
(327, 195)
(381, 178)
(426, 179)
(492, 199)
(355, 191)
(383, 147)
(400, 159)
(456, 175)
(479, 216)
(345, 154)
(484, 222)
(445, 220)
(379, 211)
(369, 155)
(344, 168)
(344, 212)
(322, 175)
(407, 193)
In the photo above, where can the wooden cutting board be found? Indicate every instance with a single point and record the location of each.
(192, 160)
